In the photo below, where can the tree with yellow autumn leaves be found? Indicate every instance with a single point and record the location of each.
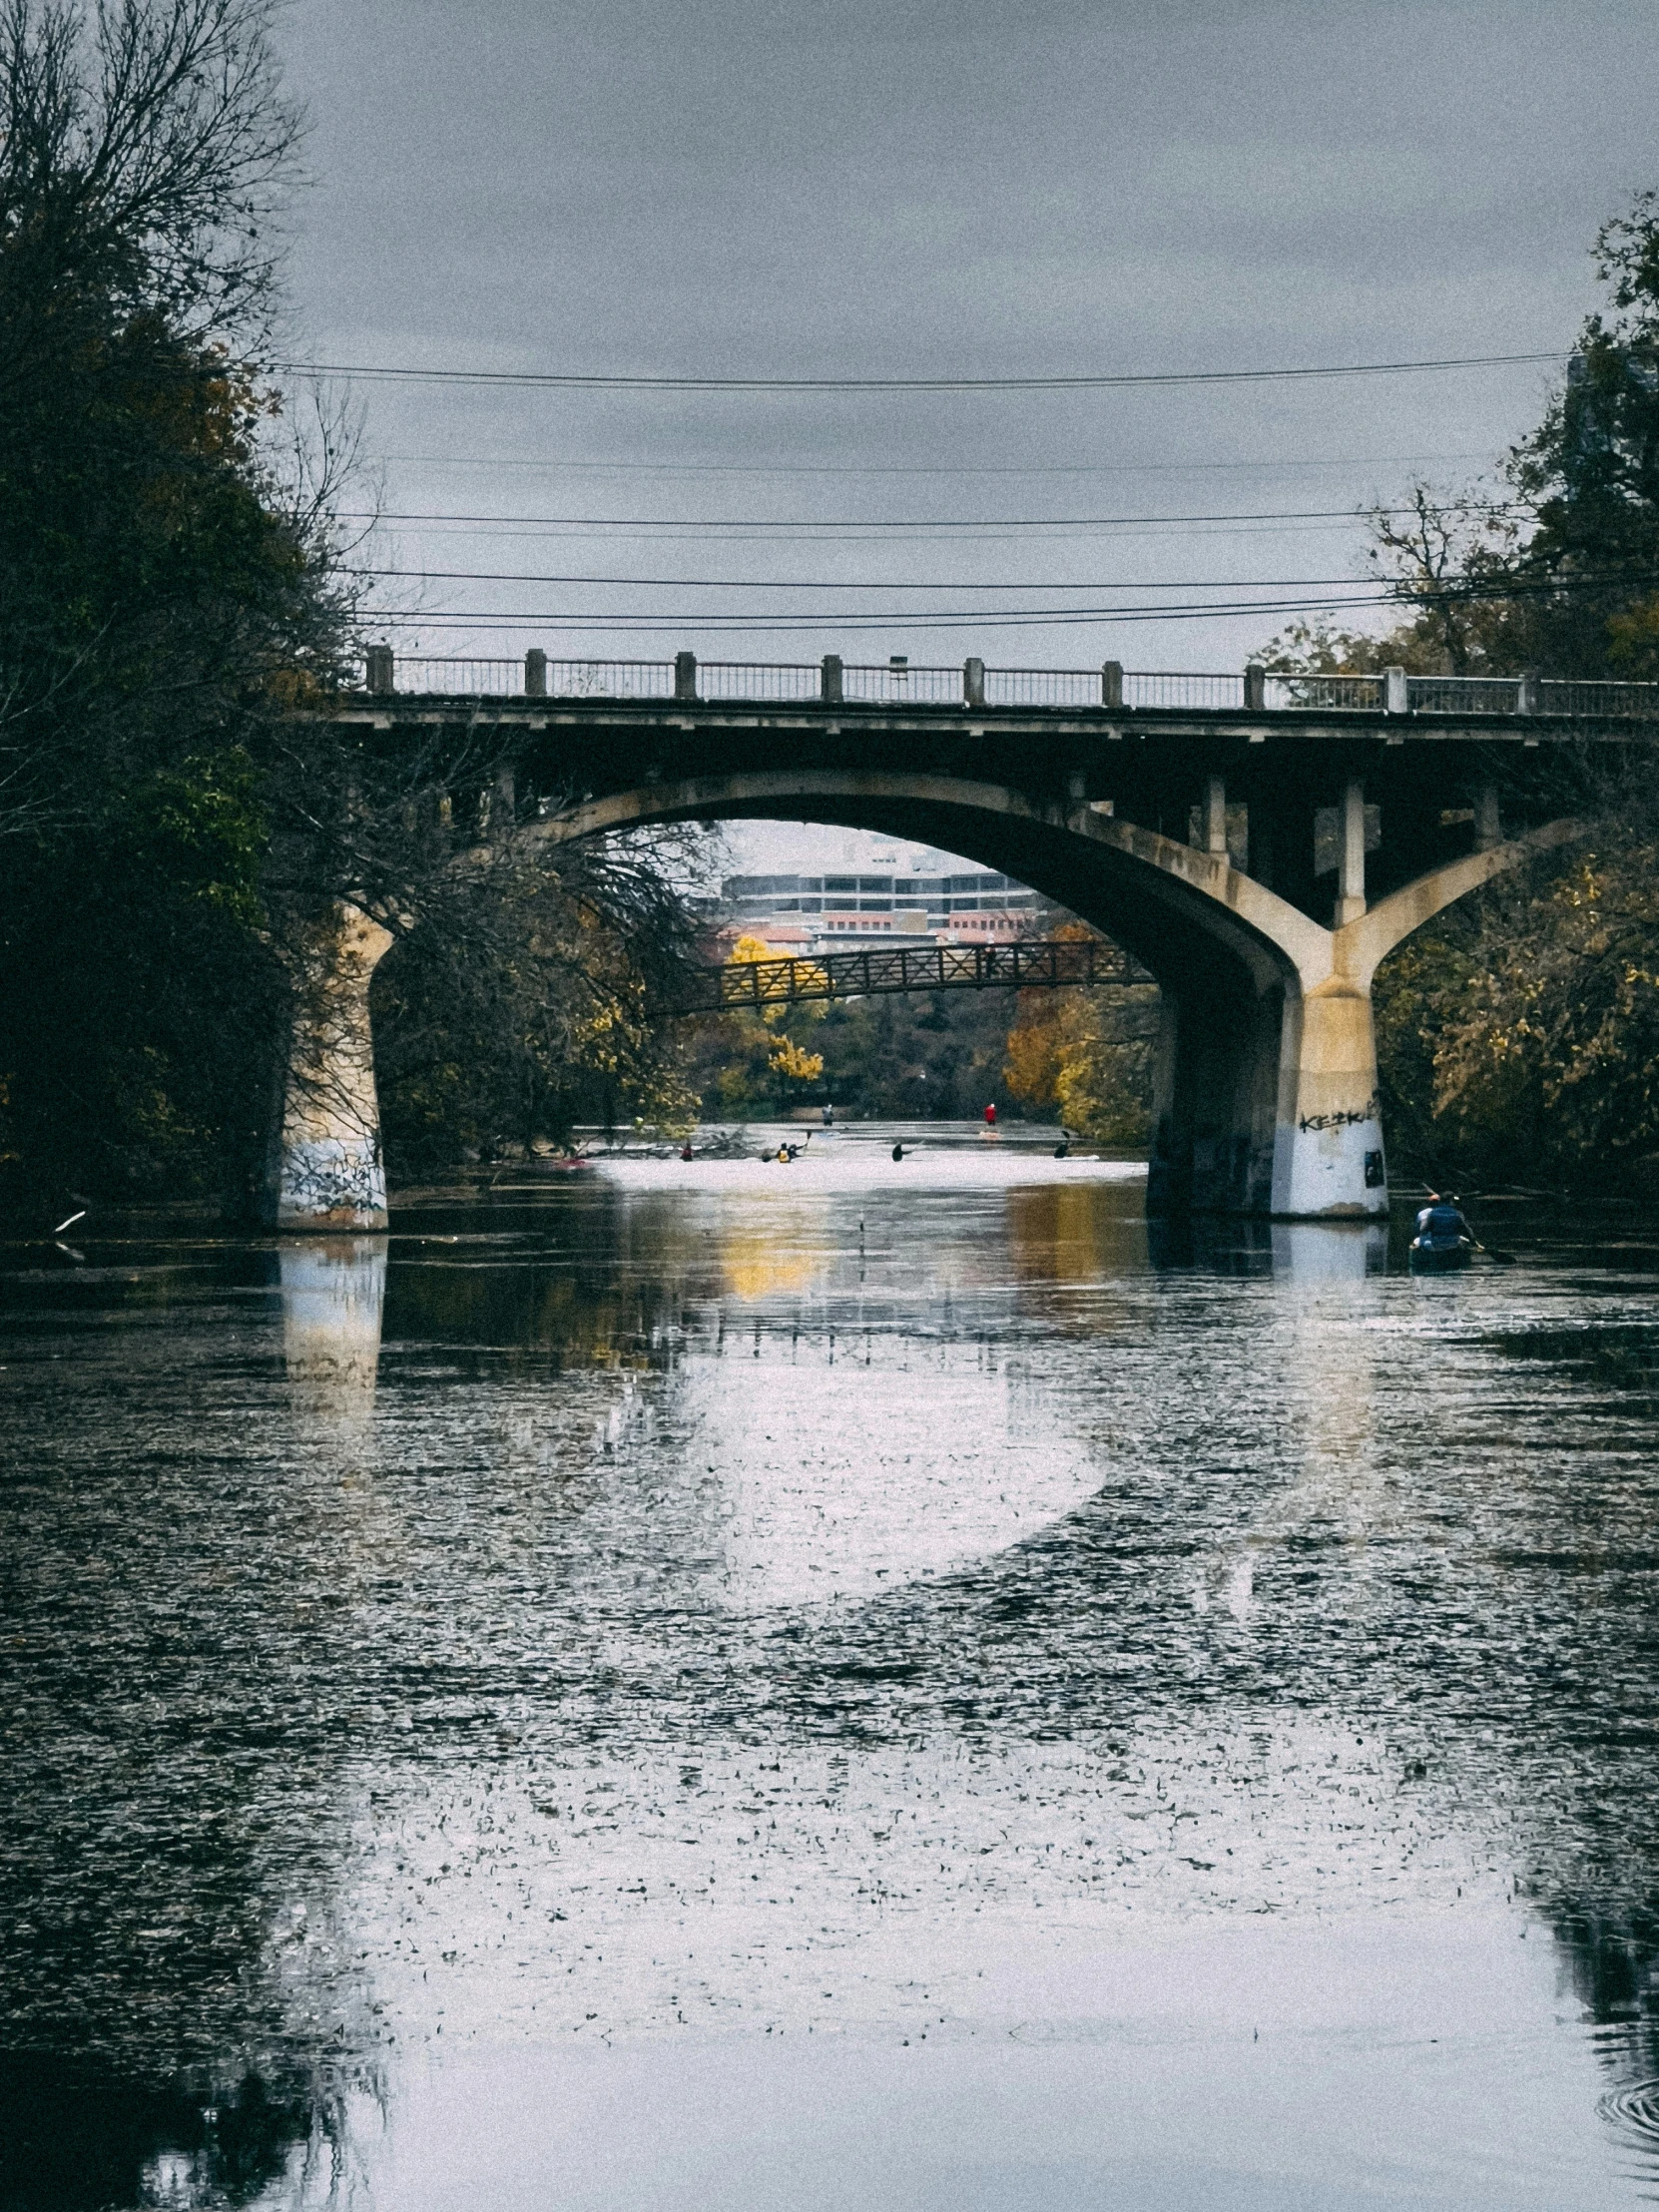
(762, 1065)
(1085, 1056)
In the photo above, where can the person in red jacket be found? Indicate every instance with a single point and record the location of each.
(990, 1117)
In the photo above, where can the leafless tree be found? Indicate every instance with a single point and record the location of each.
(146, 148)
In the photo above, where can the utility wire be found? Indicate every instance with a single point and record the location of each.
(904, 623)
(915, 535)
(1354, 598)
(878, 583)
(614, 380)
(988, 522)
(1294, 467)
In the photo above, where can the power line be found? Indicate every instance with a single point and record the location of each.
(946, 523)
(904, 621)
(1352, 597)
(859, 619)
(879, 583)
(1294, 467)
(913, 535)
(616, 380)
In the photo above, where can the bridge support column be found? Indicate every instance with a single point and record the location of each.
(1327, 1145)
(1351, 864)
(1214, 816)
(1214, 1095)
(327, 1173)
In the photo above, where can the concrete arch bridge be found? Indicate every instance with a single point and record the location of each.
(1257, 845)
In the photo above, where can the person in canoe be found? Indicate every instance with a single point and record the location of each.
(1444, 1236)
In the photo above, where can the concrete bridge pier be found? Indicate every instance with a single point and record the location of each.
(1215, 1093)
(1265, 1102)
(327, 1173)
(1267, 1090)
(1265, 1096)
(1327, 1141)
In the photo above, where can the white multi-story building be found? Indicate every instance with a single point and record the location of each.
(820, 912)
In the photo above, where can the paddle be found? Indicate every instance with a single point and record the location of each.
(1496, 1251)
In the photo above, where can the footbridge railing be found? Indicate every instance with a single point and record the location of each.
(833, 682)
(1044, 964)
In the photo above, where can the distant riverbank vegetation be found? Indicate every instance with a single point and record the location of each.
(175, 583)
(1518, 1036)
(1078, 1056)
(1084, 1058)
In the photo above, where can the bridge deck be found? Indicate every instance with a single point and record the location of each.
(682, 694)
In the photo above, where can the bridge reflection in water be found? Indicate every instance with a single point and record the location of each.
(1242, 1774)
(334, 1294)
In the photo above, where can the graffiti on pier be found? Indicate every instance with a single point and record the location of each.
(1343, 1118)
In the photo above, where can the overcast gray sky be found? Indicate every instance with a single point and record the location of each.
(762, 187)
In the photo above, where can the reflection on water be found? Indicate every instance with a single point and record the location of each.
(77, 2139)
(334, 1289)
(872, 1682)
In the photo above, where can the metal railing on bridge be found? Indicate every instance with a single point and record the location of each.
(833, 682)
(880, 971)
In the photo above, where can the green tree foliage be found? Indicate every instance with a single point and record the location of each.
(158, 587)
(519, 1005)
(1522, 1030)
(749, 1064)
(935, 1056)
(1557, 567)
(174, 605)
(913, 1057)
(1527, 1031)
(1589, 478)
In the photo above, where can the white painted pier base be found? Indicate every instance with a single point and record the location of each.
(330, 1174)
(1327, 1140)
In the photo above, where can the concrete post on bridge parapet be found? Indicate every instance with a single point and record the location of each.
(328, 1172)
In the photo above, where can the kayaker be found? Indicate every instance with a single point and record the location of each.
(1441, 1221)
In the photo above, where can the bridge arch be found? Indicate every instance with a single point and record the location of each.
(1175, 909)
(1266, 1087)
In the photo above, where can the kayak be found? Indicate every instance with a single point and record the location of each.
(1439, 1255)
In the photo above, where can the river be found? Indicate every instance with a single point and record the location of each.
(860, 1683)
